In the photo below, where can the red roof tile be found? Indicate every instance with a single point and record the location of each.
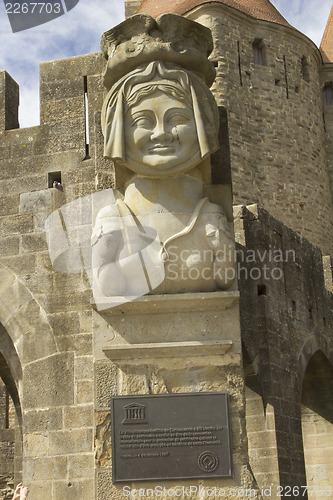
(326, 46)
(258, 9)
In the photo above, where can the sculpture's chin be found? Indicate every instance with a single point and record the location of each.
(162, 169)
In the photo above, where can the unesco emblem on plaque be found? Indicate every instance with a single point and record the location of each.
(134, 414)
(171, 436)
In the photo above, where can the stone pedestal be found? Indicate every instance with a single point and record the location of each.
(177, 343)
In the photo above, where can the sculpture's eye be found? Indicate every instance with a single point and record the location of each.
(179, 118)
(143, 121)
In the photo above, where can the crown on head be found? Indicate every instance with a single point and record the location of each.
(169, 38)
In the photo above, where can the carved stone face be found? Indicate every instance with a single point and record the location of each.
(161, 136)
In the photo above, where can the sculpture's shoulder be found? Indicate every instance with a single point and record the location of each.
(116, 209)
(214, 218)
(110, 218)
(212, 208)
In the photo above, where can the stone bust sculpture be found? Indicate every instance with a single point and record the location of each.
(160, 121)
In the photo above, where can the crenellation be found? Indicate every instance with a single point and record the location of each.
(9, 98)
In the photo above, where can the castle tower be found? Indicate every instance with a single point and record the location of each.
(260, 9)
(326, 78)
(267, 79)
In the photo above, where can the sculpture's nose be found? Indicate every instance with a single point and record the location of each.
(161, 133)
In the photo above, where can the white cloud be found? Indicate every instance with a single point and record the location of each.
(308, 16)
(79, 32)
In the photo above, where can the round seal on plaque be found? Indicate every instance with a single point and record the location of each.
(208, 461)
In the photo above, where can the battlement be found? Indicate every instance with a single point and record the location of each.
(9, 99)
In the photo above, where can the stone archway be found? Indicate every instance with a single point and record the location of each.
(261, 431)
(10, 416)
(25, 321)
(22, 325)
(317, 423)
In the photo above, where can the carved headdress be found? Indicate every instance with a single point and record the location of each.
(170, 38)
(169, 50)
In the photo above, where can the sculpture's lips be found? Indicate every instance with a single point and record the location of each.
(161, 150)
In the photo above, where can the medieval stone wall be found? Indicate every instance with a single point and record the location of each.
(286, 321)
(326, 78)
(47, 315)
(275, 116)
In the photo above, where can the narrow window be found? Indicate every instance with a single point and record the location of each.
(328, 94)
(54, 180)
(239, 65)
(305, 69)
(286, 76)
(258, 48)
(261, 290)
(86, 113)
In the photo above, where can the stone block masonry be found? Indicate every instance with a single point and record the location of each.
(275, 116)
(279, 156)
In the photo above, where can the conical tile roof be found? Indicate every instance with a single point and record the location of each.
(258, 9)
(326, 46)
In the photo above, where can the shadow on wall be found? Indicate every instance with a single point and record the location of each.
(317, 423)
(10, 416)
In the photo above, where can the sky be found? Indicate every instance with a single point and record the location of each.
(79, 32)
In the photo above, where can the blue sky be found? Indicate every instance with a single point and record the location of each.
(79, 32)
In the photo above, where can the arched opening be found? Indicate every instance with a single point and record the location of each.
(7, 440)
(317, 424)
(260, 426)
(10, 416)
(259, 52)
(305, 69)
(328, 94)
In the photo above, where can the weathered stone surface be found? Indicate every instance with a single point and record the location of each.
(81, 466)
(9, 205)
(103, 439)
(78, 417)
(71, 442)
(46, 468)
(60, 368)
(105, 489)
(31, 243)
(105, 384)
(40, 490)
(36, 445)
(9, 246)
(43, 420)
(83, 368)
(14, 224)
(37, 201)
(82, 489)
(84, 392)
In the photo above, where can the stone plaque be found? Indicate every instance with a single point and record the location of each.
(171, 436)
